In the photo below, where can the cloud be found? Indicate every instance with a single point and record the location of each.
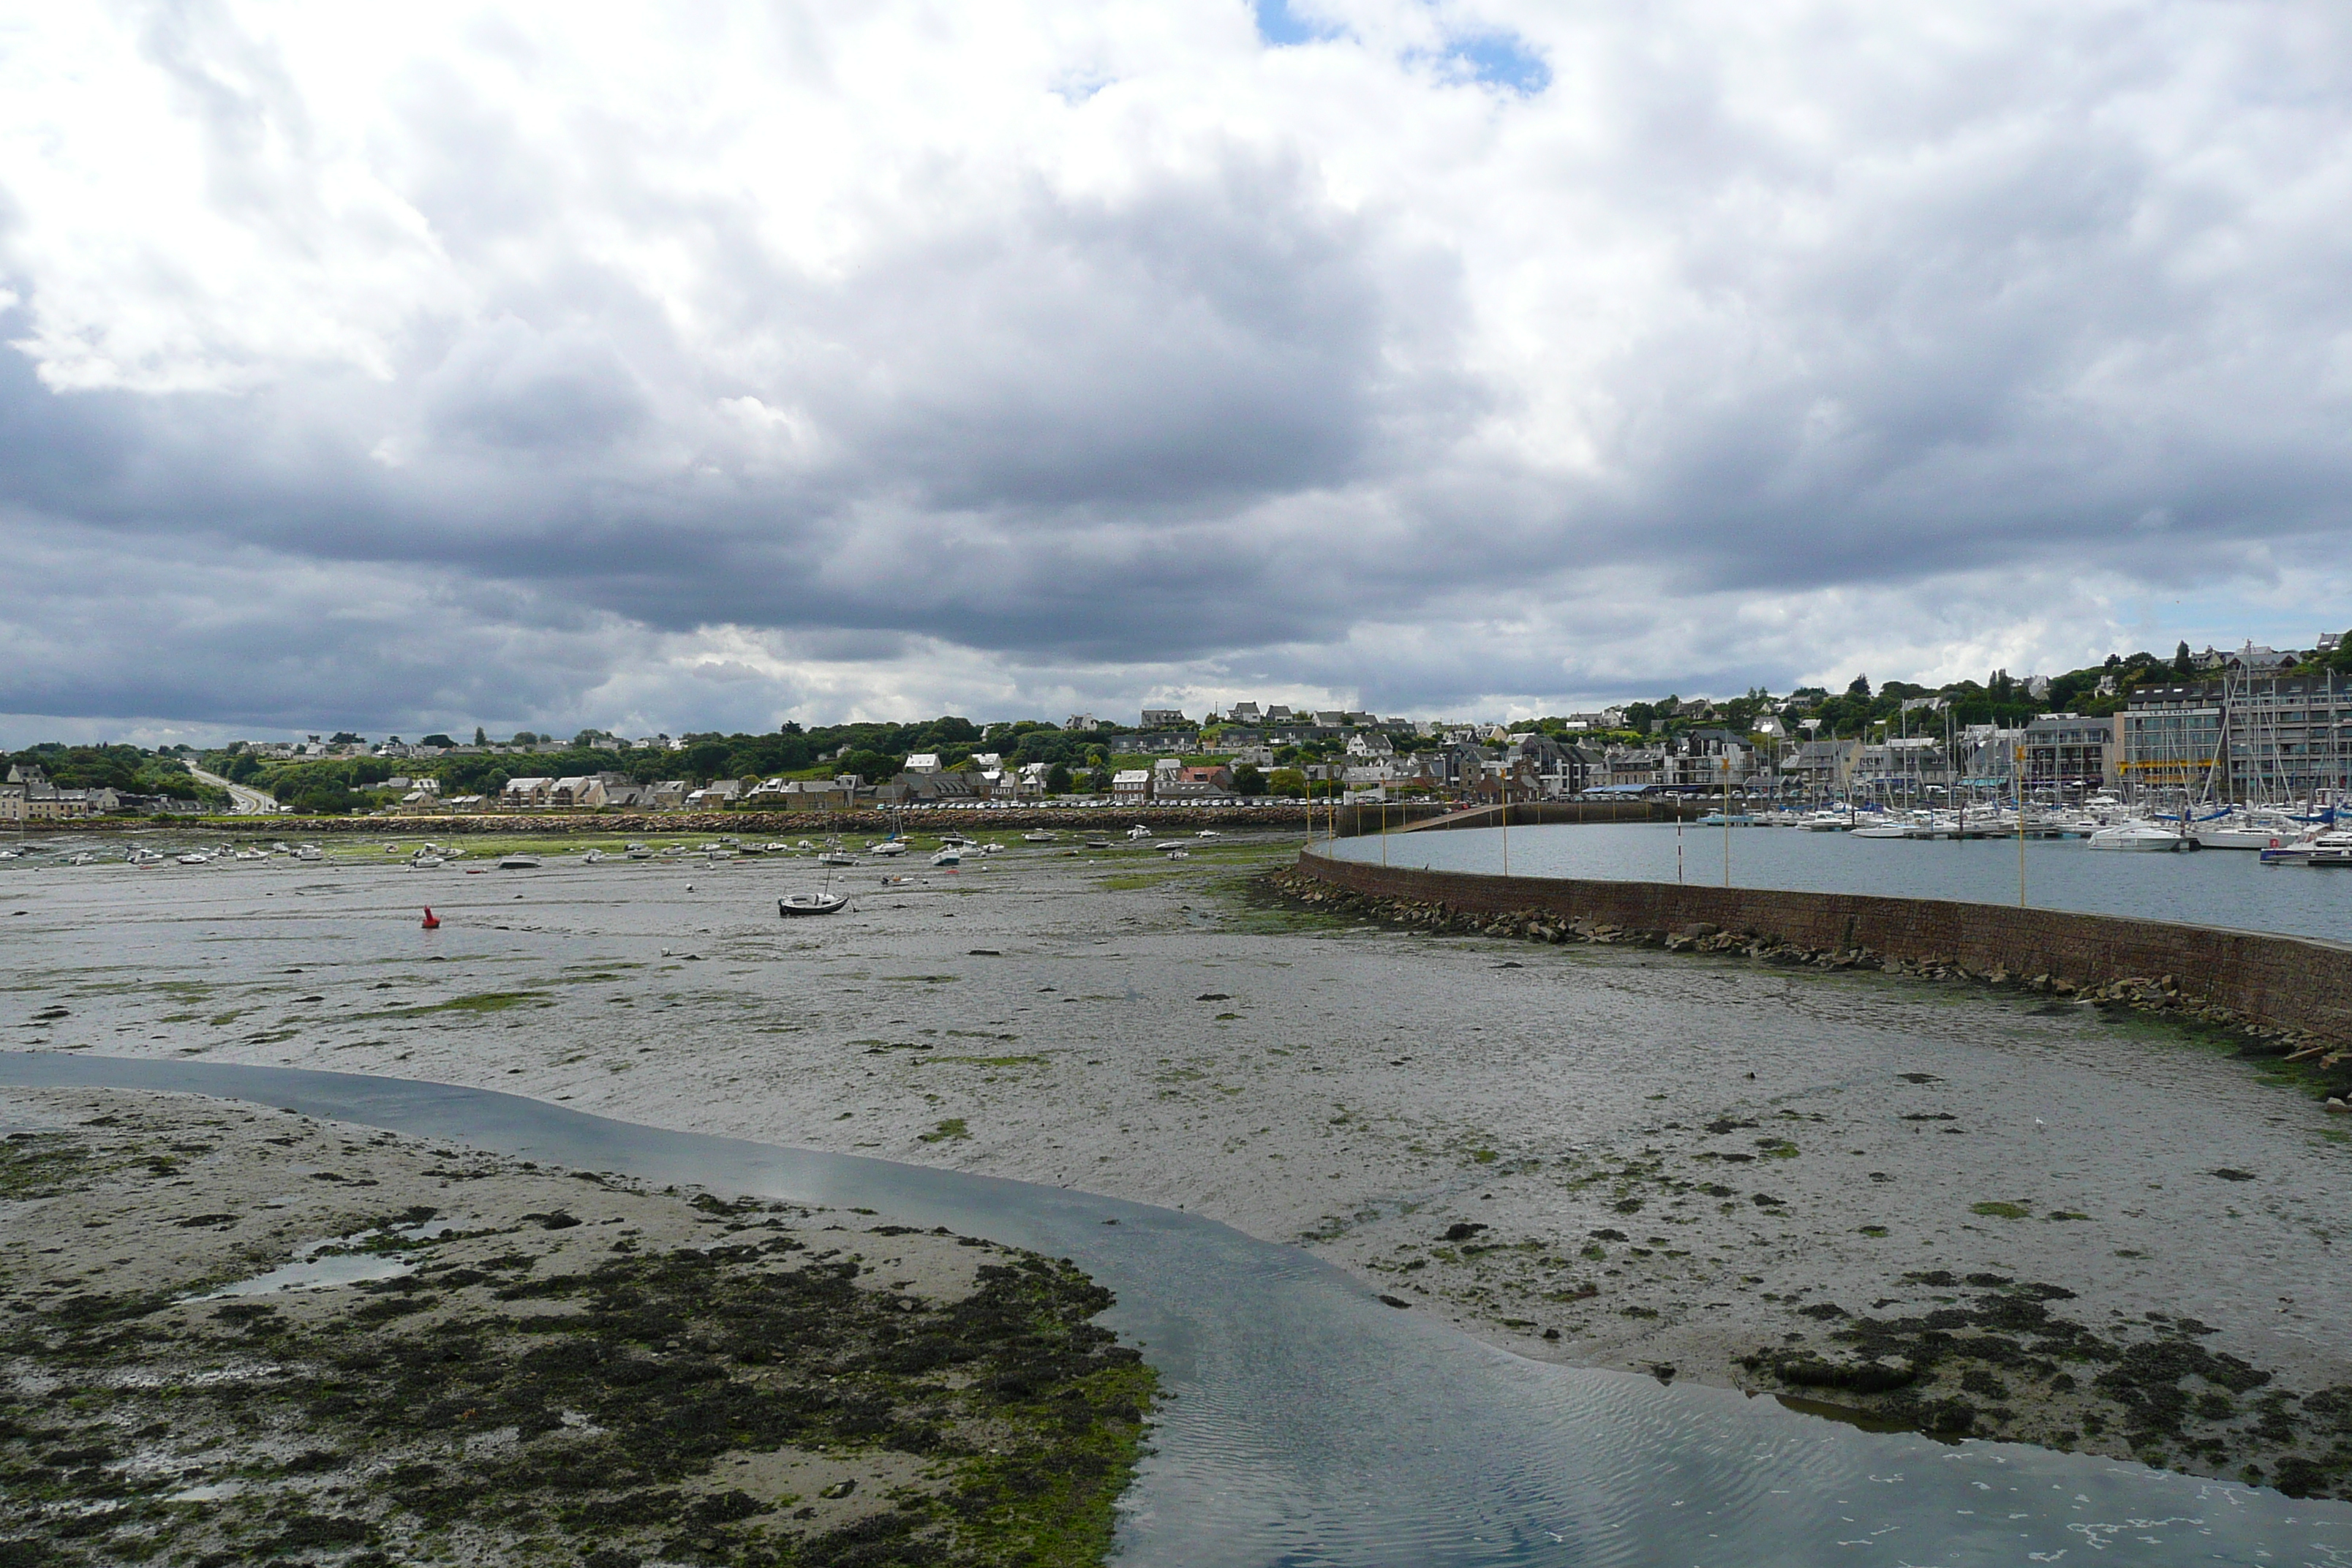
(797, 361)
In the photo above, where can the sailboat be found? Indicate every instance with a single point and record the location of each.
(824, 901)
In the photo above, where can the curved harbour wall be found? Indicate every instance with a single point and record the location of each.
(2275, 983)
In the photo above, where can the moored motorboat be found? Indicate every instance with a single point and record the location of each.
(2329, 848)
(2140, 836)
(837, 857)
(517, 862)
(950, 856)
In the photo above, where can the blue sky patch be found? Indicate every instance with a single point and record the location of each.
(1278, 27)
(1503, 60)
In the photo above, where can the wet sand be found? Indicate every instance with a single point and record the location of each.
(1756, 1177)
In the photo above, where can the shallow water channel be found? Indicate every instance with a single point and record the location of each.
(1311, 1425)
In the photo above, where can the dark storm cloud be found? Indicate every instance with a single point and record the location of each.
(2052, 298)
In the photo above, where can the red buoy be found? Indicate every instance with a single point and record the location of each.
(432, 920)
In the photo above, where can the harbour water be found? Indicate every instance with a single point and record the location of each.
(2212, 886)
(1311, 1425)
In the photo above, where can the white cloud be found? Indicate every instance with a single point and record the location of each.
(808, 359)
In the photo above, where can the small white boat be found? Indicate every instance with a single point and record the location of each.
(1172, 847)
(2146, 836)
(1138, 831)
(793, 904)
(425, 863)
(1039, 836)
(84, 857)
(638, 852)
(950, 856)
(1180, 853)
(1208, 833)
(887, 847)
(1098, 843)
(252, 855)
(1884, 830)
(953, 840)
(519, 863)
(2330, 848)
(308, 852)
(593, 857)
(143, 857)
(837, 857)
(198, 858)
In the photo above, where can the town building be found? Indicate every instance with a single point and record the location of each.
(1192, 783)
(2252, 735)
(2068, 753)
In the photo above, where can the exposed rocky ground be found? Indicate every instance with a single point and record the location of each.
(1977, 1352)
(518, 1365)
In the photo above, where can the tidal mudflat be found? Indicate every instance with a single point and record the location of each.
(237, 1334)
(1895, 1202)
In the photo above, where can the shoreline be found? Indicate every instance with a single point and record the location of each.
(920, 822)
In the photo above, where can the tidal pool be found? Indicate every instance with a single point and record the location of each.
(1310, 1424)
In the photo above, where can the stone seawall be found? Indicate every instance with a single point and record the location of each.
(2275, 986)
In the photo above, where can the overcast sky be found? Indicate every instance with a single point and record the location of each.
(402, 368)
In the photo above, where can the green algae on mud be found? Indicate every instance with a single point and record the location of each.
(536, 1386)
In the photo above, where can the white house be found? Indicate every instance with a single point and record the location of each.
(1132, 786)
(527, 792)
(923, 763)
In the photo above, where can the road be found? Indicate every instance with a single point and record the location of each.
(244, 802)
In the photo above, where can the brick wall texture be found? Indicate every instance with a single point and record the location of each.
(2287, 982)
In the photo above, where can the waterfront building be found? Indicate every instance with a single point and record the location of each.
(2251, 735)
(2070, 754)
(1907, 768)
